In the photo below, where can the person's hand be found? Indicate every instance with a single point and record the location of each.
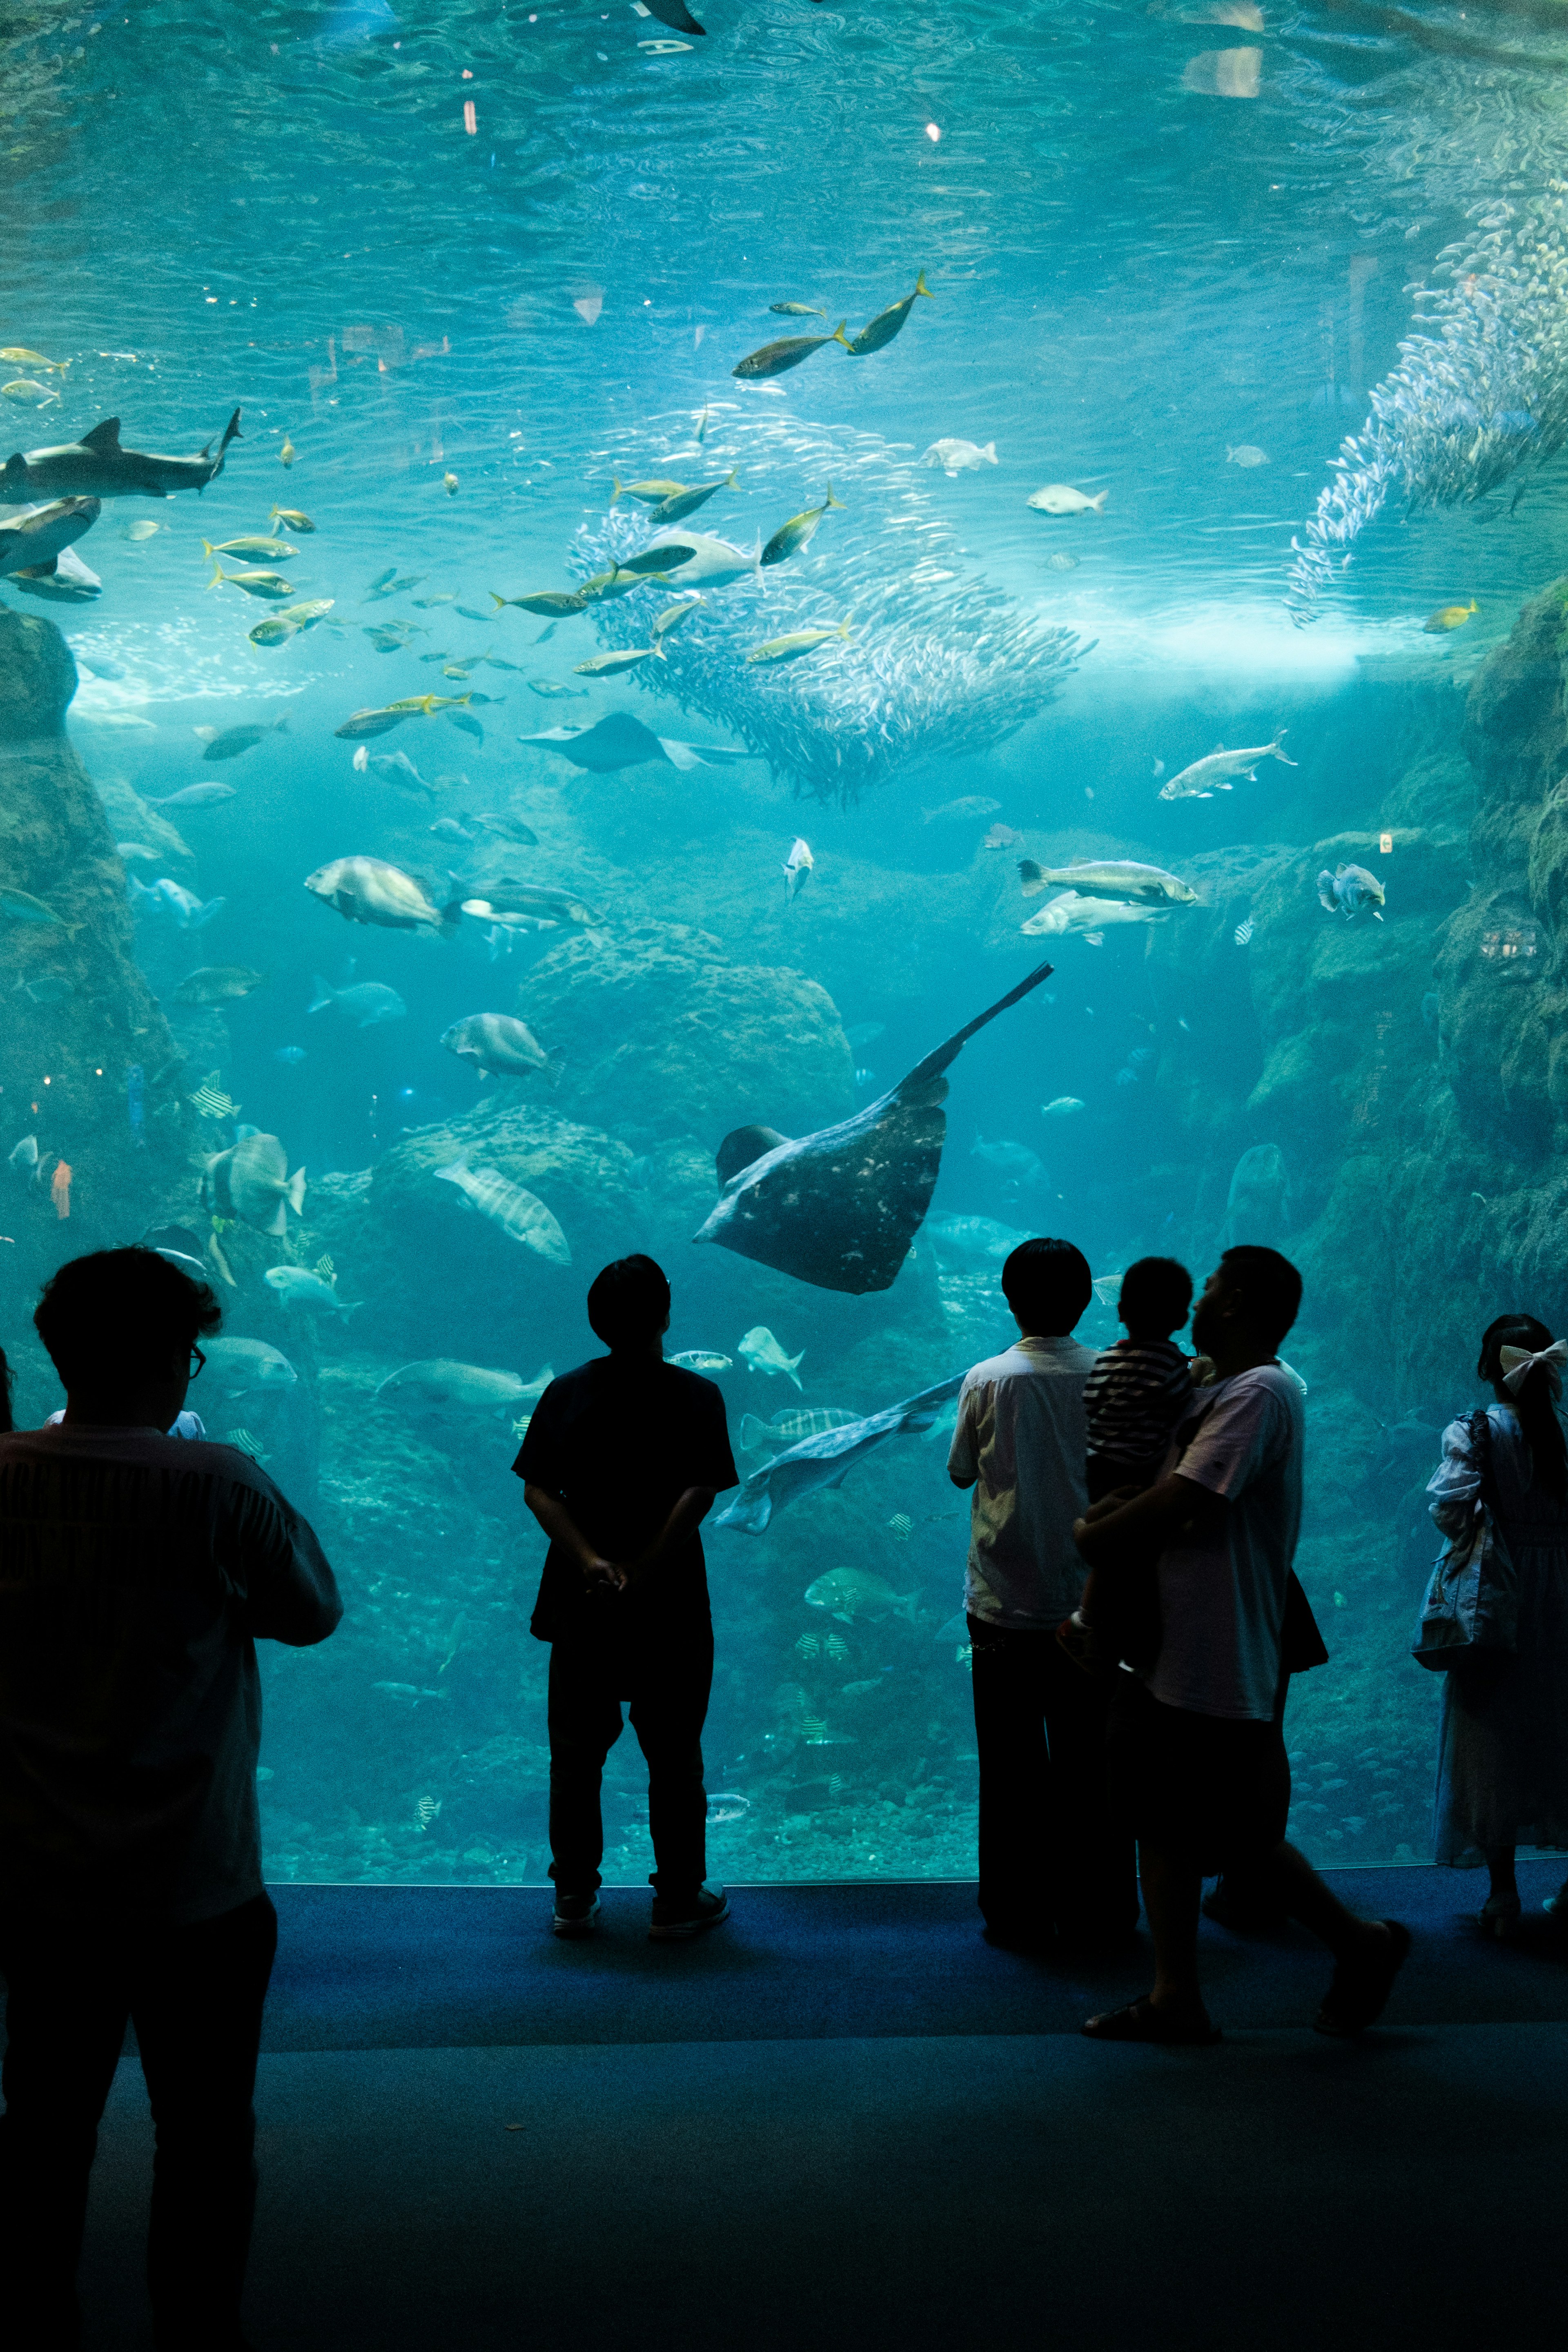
(604, 1571)
(1108, 1503)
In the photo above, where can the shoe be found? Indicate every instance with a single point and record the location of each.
(1558, 1903)
(1142, 2021)
(575, 1914)
(1358, 1992)
(676, 1919)
(1500, 1916)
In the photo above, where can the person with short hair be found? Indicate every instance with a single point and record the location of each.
(137, 1573)
(1051, 1865)
(1198, 1764)
(1502, 1743)
(621, 1462)
(1140, 1387)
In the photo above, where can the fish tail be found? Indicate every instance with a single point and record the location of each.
(209, 551)
(281, 727)
(295, 1191)
(325, 992)
(615, 487)
(830, 499)
(838, 335)
(843, 624)
(734, 476)
(554, 1064)
(753, 1433)
(921, 287)
(451, 918)
(216, 580)
(1098, 504)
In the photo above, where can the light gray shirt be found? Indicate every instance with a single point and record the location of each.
(1222, 1600)
(1020, 1438)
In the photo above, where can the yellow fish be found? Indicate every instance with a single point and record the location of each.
(1449, 616)
(292, 518)
(286, 455)
(15, 356)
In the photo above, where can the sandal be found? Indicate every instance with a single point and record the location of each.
(1558, 1903)
(1358, 1992)
(1142, 2021)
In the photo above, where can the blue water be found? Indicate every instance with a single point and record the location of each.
(461, 338)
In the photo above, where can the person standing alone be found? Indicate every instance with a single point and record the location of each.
(1051, 1865)
(620, 1464)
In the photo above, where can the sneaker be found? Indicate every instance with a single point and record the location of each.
(676, 1918)
(575, 1914)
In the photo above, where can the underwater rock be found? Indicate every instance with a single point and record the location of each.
(78, 1017)
(661, 1030)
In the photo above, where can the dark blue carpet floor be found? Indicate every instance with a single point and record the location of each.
(842, 2121)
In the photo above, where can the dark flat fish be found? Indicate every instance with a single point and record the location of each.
(841, 1208)
(622, 741)
(818, 1461)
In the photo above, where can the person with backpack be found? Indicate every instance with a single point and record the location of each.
(1502, 1741)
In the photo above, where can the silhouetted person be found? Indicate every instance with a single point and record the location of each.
(1198, 1763)
(7, 1377)
(1503, 1747)
(1050, 1862)
(1139, 1388)
(621, 1463)
(139, 1572)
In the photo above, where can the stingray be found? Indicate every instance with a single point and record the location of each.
(841, 1208)
(824, 1461)
(622, 741)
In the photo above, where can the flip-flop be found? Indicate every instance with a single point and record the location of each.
(1142, 2021)
(1358, 1992)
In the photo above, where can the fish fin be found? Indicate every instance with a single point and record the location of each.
(209, 551)
(733, 477)
(278, 1224)
(104, 439)
(1032, 876)
(1098, 505)
(325, 992)
(989, 452)
(838, 335)
(615, 488)
(216, 580)
(281, 726)
(753, 1433)
(451, 918)
(830, 499)
(554, 1064)
(926, 1084)
(921, 287)
(295, 1191)
(501, 603)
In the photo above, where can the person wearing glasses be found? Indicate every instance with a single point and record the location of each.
(138, 1571)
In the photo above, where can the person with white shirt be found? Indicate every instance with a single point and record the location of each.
(1198, 1763)
(1051, 1865)
(138, 1571)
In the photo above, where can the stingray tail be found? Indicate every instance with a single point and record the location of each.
(926, 1077)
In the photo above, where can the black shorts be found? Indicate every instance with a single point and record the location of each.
(1209, 1787)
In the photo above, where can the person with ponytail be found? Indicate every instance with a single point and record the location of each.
(1502, 1747)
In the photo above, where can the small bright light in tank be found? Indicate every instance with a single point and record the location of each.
(933, 133)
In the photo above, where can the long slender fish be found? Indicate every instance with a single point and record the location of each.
(1206, 777)
(96, 467)
(826, 1460)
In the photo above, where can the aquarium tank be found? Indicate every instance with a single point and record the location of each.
(583, 588)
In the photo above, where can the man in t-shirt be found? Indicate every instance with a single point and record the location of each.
(1051, 1864)
(138, 1571)
(1198, 1764)
(621, 1463)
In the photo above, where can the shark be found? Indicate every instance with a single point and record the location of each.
(31, 541)
(96, 467)
(841, 1208)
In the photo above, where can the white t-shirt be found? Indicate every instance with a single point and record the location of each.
(1222, 1601)
(1020, 1436)
(137, 1573)
(184, 1424)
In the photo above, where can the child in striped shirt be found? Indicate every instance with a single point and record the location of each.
(1133, 1399)
(1141, 1388)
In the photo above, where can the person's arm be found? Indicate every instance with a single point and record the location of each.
(963, 1458)
(1113, 1532)
(290, 1593)
(1455, 1484)
(561, 1528)
(687, 1515)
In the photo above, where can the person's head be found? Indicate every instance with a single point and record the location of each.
(1249, 1302)
(5, 1420)
(1048, 1285)
(1156, 1293)
(629, 1305)
(1532, 1393)
(119, 1327)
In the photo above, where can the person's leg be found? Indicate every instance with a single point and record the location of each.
(1305, 1896)
(196, 2004)
(67, 2003)
(584, 1725)
(1172, 1887)
(1015, 1776)
(1091, 1884)
(669, 1708)
(1500, 1864)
